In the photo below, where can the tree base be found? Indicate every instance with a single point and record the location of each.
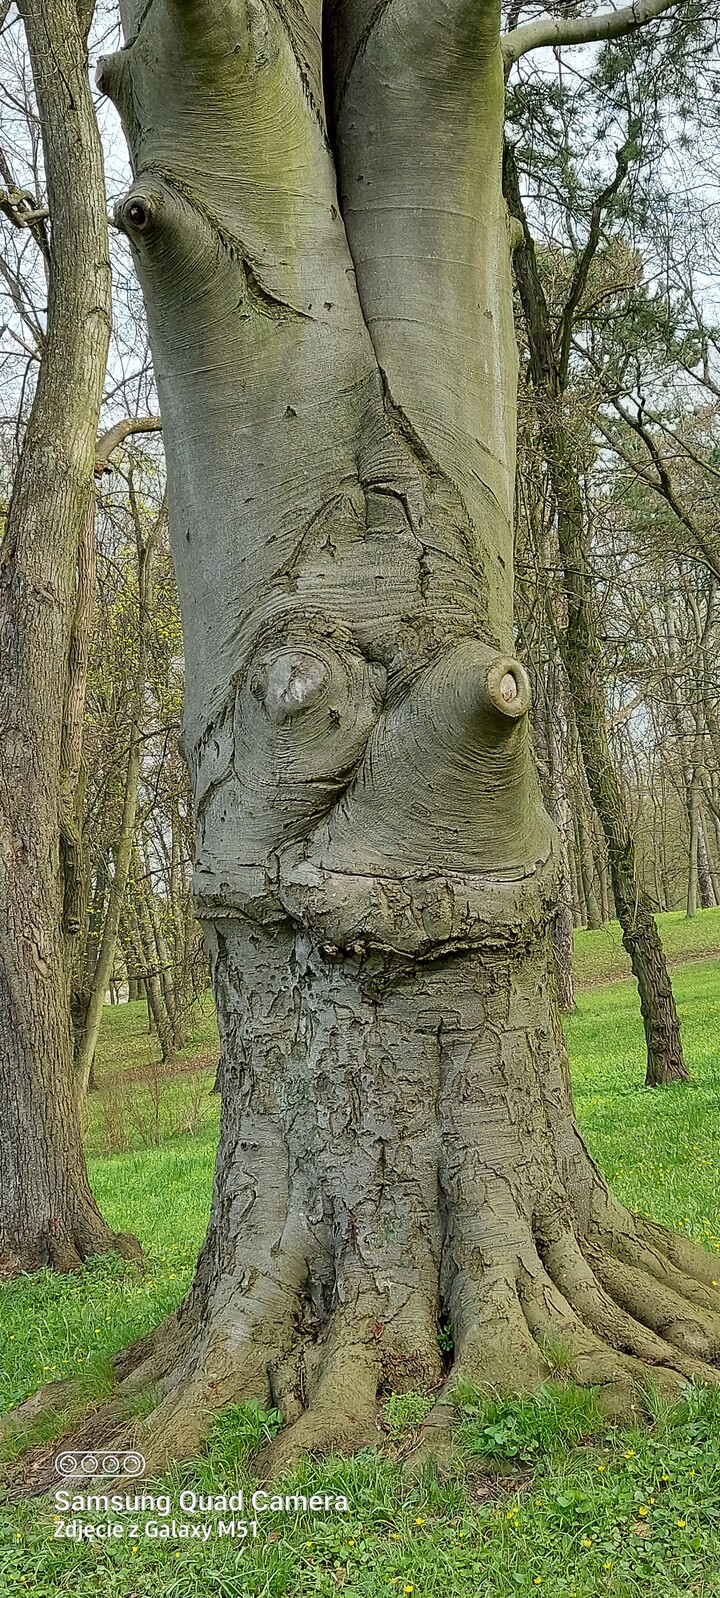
(626, 1308)
(398, 1152)
(67, 1248)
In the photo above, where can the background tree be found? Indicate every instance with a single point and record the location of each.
(48, 1214)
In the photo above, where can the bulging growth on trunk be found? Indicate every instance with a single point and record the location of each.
(317, 221)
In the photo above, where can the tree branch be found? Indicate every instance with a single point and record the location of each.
(116, 435)
(554, 31)
(580, 275)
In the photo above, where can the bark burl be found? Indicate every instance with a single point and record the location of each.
(318, 224)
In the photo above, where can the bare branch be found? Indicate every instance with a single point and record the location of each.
(116, 436)
(580, 275)
(556, 32)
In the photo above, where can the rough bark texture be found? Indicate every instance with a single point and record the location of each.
(47, 1212)
(375, 871)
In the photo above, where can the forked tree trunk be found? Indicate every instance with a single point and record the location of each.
(375, 872)
(48, 1215)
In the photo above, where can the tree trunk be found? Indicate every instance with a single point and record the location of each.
(47, 1212)
(126, 836)
(692, 880)
(158, 1019)
(582, 657)
(707, 876)
(163, 959)
(562, 927)
(587, 871)
(375, 872)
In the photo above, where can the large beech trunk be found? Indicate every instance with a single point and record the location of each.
(327, 276)
(48, 1215)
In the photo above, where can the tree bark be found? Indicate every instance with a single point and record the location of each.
(375, 872)
(47, 1212)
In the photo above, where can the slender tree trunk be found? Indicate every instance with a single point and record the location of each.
(583, 664)
(375, 872)
(126, 836)
(641, 939)
(692, 881)
(607, 909)
(578, 916)
(579, 881)
(707, 875)
(162, 956)
(47, 1212)
(562, 927)
(158, 1018)
(587, 868)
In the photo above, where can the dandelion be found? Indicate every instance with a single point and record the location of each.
(394, 1535)
(308, 1545)
(351, 1542)
(630, 1453)
(601, 1467)
(664, 1478)
(537, 1581)
(419, 1521)
(643, 1510)
(607, 1565)
(681, 1524)
(587, 1542)
(408, 1587)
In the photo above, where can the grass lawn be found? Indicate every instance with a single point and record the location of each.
(571, 1507)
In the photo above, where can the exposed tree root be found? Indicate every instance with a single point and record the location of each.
(372, 1191)
(560, 1310)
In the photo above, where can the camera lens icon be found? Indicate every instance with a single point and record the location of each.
(124, 1463)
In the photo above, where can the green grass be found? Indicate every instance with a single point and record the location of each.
(660, 1149)
(571, 1508)
(600, 957)
(140, 1103)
